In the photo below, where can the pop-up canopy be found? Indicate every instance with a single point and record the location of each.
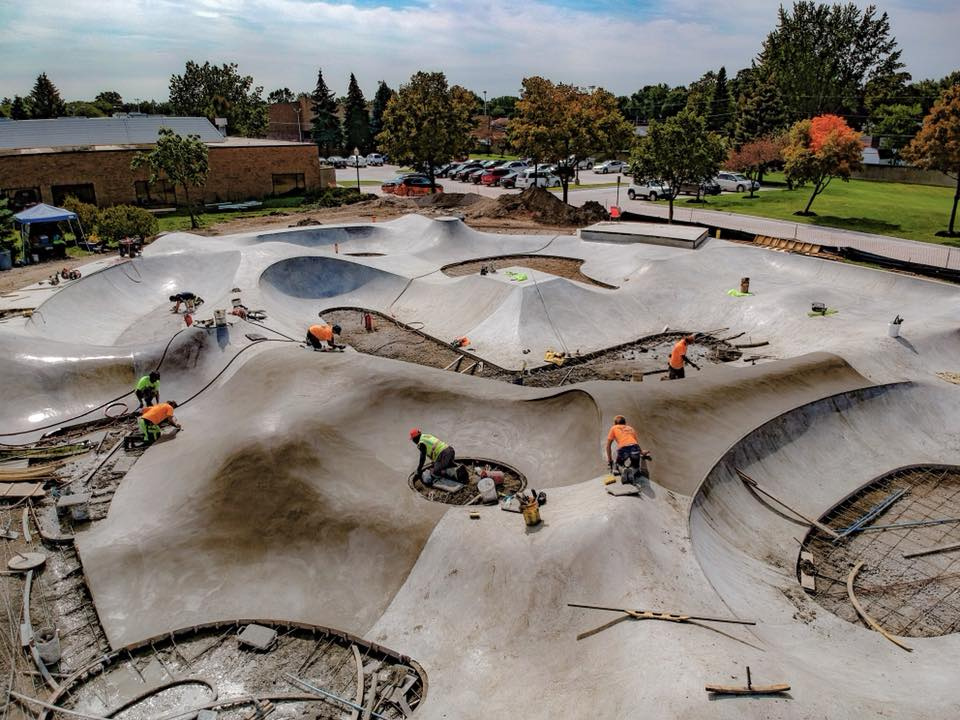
(42, 213)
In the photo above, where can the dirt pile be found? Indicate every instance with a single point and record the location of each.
(448, 200)
(540, 205)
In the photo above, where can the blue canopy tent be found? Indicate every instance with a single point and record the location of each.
(43, 213)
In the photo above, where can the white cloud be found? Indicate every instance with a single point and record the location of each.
(134, 46)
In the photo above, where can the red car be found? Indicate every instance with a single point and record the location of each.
(493, 176)
(416, 185)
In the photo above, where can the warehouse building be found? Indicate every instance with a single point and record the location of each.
(89, 158)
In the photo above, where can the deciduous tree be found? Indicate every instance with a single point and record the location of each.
(121, 221)
(356, 119)
(895, 126)
(562, 124)
(937, 145)
(213, 91)
(755, 157)
(819, 150)
(678, 150)
(109, 101)
(45, 100)
(181, 160)
(427, 123)
(281, 95)
(822, 56)
(325, 128)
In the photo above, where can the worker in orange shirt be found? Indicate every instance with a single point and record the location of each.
(319, 334)
(150, 421)
(678, 357)
(628, 447)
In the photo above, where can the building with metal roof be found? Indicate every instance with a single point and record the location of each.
(92, 132)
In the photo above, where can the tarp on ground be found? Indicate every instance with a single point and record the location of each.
(43, 213)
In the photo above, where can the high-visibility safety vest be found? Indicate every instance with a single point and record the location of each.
(322, 332)
(145, 382)
(158, 413)
(676, 355)
(433, 445)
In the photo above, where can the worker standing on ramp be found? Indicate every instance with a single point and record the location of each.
(440, 454)
(148, 389)
(628, 446)
(319, 334)
(678, 357)
(150, 421)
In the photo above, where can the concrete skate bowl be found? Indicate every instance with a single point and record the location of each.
(569, 268)
(208, 667)
(296, 286)
(509, 481)
(346, 237)
(128, 303)
(814, 458)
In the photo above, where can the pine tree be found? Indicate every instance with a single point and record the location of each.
(356, 120)
(325, 128)
(45, 99)
(760, 111)
(20, 109)
(380, 100)
(721, 115)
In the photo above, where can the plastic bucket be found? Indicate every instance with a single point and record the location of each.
(488, 490)
(893, 329)
(531, 512)
(6, 262)
(48, 646)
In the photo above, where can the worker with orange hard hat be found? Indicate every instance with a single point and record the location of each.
(441, 454)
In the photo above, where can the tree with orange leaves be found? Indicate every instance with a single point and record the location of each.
(937, 145)
(754, 157)
(819, 150)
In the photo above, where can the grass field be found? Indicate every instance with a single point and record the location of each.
(915, 212)
(180, 220)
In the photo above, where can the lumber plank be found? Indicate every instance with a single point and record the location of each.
(753, 690)
(863, 614)
(750, 482)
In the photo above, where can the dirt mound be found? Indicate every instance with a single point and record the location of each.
(448, 200)
(540, 205)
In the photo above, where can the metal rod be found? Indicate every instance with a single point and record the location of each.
(933, 550)
(873, 512)
(327, 694)
(736, 621)
(919, 523)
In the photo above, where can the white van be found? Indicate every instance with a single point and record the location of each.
(539, 177)
(375, 159)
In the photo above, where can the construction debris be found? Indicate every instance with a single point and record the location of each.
(750, 688)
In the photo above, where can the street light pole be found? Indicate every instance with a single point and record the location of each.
(356, 161)
(489, 143)
(299, 130)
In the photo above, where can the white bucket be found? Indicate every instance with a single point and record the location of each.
(488, 490)
(220, 317)
(893, 329)
(48, 646)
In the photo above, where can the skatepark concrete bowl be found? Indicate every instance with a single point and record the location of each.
(285, 496)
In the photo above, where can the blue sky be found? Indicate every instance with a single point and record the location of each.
(133, 46)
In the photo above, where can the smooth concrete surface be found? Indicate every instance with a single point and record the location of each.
(681, 236)
(285, 496)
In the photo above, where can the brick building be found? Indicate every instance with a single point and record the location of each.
(47, 160)
(290, 121)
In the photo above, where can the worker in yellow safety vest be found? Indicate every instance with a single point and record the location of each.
(440, 454)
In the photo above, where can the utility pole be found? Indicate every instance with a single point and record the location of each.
(489, 141)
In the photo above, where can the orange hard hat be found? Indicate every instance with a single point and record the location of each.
(414, 433)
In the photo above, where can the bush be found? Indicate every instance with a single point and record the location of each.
(336, 196)
(122, 221)
(87, 214)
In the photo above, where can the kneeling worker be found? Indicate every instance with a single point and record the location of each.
(441, 455)
(191, 300)
(319, 334)
(678, 357)
(628, 447)
(148, 389)
(150, 421)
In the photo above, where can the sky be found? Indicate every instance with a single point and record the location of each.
(134, 46)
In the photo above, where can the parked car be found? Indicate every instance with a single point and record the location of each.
(610, 166)
(416, 185)
(465, 169)
(648, 190)
(538, 178)
(375, 160)
(390, 186)
(510, 179)
(493, 176)
(444, 169)
(707, 187)
(337, 161)
(356, 161)
(514, 165)
(474, 175)
(586, 164)
(735, 182)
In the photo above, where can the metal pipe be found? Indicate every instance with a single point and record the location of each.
(327, 694)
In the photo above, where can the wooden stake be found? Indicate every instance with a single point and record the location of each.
(810, 521)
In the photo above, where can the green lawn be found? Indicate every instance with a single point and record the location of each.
(915, 212)
(180, 220)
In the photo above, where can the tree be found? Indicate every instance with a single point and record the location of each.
(700, 94)
(754, 157)
(88, 214)
(562, 124)
(325, 128)
(819, 150)
(502, 106)
(82, 108)
(760, 111)
(678, 150)
(937, 145)
(122, 221)
(181, 160)
(822, 56)
(721, 110)
(427, 123)
(45, 100)
(895, 126)
(213, 91)
(356, 119)
(380, 100)
(109, 101)
(20, 108)
(282, 95)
